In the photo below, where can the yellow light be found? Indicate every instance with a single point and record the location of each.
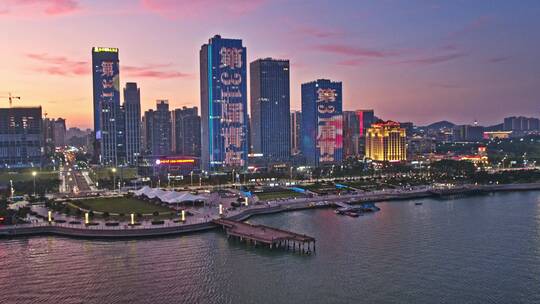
(34, 173)
(86, 218)
(49, 215)
(113, 170)
(220, 209)
(183, 215)
(105, 49)
(246, 201)
(133, 219)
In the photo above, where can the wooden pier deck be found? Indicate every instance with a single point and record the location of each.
(268, 236)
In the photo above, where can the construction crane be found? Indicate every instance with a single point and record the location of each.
(10, 98)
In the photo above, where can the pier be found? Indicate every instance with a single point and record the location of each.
(267, 236)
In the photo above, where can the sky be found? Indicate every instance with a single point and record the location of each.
(411, 60)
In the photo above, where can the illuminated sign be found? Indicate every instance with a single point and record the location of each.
(105, 49)
(329, 125)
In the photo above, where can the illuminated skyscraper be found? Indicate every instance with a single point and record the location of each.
(355, 124)
(322, 122)
(106, 79)
(386, 141)
(132, 112)
(223, 104)
(270, 106)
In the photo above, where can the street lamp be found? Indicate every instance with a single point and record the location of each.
(114, 178)
(34, 173)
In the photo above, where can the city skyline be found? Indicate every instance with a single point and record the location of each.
(465, 60)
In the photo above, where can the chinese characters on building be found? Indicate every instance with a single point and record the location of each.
(329, 125)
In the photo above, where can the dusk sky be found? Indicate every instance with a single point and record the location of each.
(419, 61)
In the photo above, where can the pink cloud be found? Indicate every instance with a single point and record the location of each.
(317, 32)
(29, 8)
(352, 62)
(429, 60)
(473, 26)
(498, 59)
(151, 72)
(58, 65)
(189, 9)
(62, 66)
(354, 51)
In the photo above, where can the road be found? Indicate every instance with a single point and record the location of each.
(74, 180)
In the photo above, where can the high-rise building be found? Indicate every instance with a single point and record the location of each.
(468, 133)
(59, 132)
(223, 104)
(21, 137)
(186, 132)
(296, 132)
(132, 111)
(322, 122)
(386, 141)
(270, 108)
(107, 112)
(351, 134)
(157, 130)
(521, 124)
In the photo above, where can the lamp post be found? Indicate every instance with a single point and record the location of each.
(114, 178)
(191, 174)
(34, 173)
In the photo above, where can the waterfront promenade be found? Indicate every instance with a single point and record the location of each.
(205, 221)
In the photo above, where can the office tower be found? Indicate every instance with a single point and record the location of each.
(21, 137)
(351, 134)
(158, 129)
(186, 132)
(107, 113)
(296, 132)
(386, 141)
(132, 110)
(47, 128)
(322, 122)
(270, 108)
(59, 132)
(468, 133)
(223, 104)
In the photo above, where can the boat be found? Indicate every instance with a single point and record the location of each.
(418, 204)
(352, 214)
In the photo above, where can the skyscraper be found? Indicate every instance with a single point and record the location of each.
(296, 132)
(21, 137)
(386, 141)
(186, 131)
(157, 129)
(322, 122)
(106, 79)
(270, 106)
(59, 132)
(132, 111)
(223, 104)
(355, 124)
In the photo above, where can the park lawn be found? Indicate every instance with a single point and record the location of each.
(267, 196)
(26, 176)
(120, 205)
(106, 173)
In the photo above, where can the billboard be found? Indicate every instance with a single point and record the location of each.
(329, 125)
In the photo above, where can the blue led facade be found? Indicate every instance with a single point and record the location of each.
(223, 104)
(322, 122)
(107, 113)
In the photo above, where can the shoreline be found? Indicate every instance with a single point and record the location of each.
(26, 230)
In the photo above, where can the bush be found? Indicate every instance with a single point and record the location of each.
(156, 213)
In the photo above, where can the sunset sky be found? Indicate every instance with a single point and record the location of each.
(419, 61)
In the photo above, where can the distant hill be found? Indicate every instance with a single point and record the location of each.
(440, 125)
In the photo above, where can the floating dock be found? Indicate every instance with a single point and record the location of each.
(267, 236)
